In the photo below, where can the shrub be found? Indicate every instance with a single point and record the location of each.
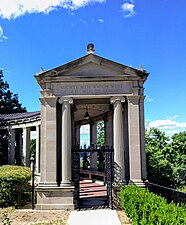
(14, 185)
(145, 208)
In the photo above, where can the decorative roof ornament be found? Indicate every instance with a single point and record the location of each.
(41, 70)
(141, 67)
(90, 49)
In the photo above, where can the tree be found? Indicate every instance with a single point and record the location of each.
(178, 159)
(158, 167)
(166, 158)
(100, 133)
(32, 147)
(9, 102)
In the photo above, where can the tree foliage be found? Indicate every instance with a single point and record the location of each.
(9, 102)
(32, 146)
(166, 158)
(100, 133)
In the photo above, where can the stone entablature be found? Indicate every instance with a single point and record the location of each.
(92, 88)
(91, 75)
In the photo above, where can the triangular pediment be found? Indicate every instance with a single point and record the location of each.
(92, 69)
(91, 66)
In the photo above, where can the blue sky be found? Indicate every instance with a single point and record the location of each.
(49, 33)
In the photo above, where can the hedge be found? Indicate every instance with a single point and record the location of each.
(14, 185)
(146, 208)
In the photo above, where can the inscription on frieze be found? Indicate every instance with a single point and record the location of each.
(92, 88)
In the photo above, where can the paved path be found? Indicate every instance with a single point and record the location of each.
(94, 217)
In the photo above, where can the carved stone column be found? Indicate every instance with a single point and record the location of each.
(48, 142)
(11, 146)
(26, 146)
(134, 139)
(49, 194)
(38, 148)
(119, 155)
(78, 134)
(66, 141)
(108, 131)
(93, 141)
(19, 147)
(142, 138)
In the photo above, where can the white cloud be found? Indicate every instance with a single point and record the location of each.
(2, 36)
(92, 21)
(11, 9)
(148, 99)
(170, 126)
(100, 20)
(167, 124)
(82, 21)
(128, 8)
(97, 20)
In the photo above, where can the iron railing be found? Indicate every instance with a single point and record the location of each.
(168, 193)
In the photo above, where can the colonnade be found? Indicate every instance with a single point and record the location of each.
(19, 143)
(123, 130)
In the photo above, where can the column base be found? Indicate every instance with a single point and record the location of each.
(137, 182)
(50, 197)
(66, 183)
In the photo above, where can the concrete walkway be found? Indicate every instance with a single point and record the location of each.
(94, 217)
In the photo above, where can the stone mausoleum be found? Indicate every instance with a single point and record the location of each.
(105, 90)
(84, 91)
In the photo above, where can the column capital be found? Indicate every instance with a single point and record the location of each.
(117, 98)
(65, 99)
(48, 100)
(133, 99)
(142, 97)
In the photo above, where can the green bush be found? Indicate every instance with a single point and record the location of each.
(14, 185)
(145, 208)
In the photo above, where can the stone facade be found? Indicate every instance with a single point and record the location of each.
(112, 92)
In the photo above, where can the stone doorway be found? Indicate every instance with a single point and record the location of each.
(93, 188)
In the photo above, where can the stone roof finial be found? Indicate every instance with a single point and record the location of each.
(90, 49)
(141, 67)
(41, 70)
